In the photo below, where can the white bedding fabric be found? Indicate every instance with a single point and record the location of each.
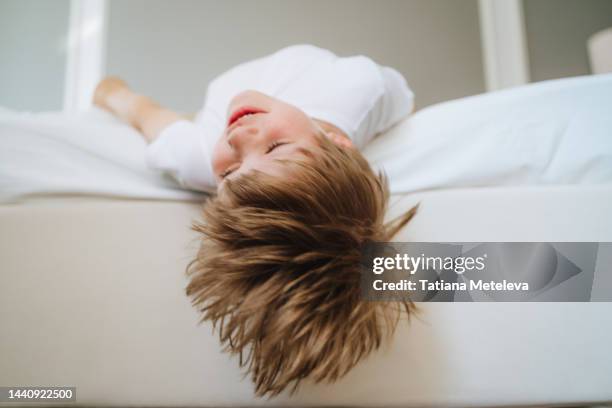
(554, 132)
(86, 154)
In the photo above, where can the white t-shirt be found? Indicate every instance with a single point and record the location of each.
(355, 94)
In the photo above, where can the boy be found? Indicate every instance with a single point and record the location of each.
(278, 268)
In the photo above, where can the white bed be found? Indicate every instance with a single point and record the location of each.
(92, 296)
(553, 132)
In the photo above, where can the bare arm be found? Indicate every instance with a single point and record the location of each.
(144, 114)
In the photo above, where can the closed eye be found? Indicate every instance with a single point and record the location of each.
(270, 149)
(226, 173)
(274, 145)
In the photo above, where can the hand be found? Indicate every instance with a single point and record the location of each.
(106, 89)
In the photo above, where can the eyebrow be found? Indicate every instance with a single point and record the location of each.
(306, 152)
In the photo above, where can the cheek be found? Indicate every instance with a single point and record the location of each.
(221, 157)
(288, 123)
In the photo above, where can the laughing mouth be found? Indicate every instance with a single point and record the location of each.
(241, 113)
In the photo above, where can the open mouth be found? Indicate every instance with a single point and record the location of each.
(241, 113)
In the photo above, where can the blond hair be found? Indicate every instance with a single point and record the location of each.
(278, 271)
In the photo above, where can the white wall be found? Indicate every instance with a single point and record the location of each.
(33, 53)
(557, 32)
(171, 49)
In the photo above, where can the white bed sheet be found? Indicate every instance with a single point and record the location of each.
(554, 132)
(87, 154)
(547, 133)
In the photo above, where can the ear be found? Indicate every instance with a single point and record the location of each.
(340, 140)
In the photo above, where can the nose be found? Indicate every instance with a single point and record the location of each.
(243, 139)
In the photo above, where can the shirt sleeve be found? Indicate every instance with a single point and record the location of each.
(355, 94)
(396, 102)
(341, 91)
(179, 150)
(393, 103)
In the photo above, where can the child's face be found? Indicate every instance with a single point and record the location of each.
(261, 132)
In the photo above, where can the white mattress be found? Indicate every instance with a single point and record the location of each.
(92, 296)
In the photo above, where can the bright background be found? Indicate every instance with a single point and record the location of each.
(51, 53)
